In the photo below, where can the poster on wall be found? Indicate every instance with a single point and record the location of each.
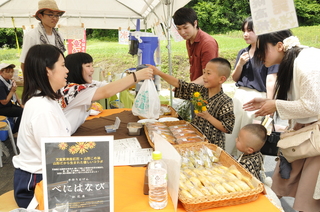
(273, 15)
(78, 173)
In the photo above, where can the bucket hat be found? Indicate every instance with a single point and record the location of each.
(47, 5)
(6, 65)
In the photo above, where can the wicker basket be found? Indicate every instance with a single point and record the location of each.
(201, 203)
(172, 114)
(174, 123)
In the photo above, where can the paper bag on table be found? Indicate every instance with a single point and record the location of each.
(147, 101)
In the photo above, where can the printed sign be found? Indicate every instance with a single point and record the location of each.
(174, 33)
(78, 173)
(158, 30)
(77, 45)
(71, 32)
(123, 36)
(273, 15)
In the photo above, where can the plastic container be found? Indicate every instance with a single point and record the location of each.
(134, 128)
(116, 104)
(157, 180)
(147, 44)
(109, 77)
(113, 127)
(4, 133)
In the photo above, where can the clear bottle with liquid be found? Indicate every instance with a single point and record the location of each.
(116, 104)
(109, 77)
(157, 180)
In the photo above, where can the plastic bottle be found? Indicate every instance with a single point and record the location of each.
(157, 180)
(109, 77)
(115, 104)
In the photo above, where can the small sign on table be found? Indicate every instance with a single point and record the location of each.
(78, 173)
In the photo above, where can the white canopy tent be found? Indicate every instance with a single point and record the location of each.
(95, 14)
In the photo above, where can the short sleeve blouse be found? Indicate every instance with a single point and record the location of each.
(254, 75)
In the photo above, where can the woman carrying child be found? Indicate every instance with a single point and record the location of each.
(296, 99)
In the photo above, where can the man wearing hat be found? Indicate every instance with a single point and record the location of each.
(48, 14)
(10, 104)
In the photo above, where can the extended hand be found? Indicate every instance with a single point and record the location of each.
(145, 73)
(264, 106)
(155, 69)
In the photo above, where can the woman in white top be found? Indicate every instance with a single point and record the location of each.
(82, 90)
(296, 99)
(44, 74)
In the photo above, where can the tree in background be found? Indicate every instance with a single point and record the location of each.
(8, 38)
(220, 16)
(109, 35)
(308, 12)
(215, 16)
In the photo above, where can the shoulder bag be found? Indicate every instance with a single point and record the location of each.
(270, 145)
(302, 143)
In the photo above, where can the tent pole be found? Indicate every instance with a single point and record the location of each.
(15, 32)
(169, 48)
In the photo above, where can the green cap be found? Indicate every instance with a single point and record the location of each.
(156, 155)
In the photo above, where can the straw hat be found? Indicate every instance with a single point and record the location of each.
(6, 65)
(47, 5)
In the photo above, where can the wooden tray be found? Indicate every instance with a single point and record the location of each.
(212, 201)
(174, 123)
(173, 113)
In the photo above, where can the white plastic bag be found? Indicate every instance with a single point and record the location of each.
(147, 101)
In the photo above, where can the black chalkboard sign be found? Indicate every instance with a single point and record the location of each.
(78, 173)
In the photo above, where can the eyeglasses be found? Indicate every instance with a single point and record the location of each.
(51, 15)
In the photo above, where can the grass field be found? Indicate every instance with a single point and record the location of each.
(113, 57)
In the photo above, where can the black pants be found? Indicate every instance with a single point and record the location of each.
(24, 185)
(13, 111)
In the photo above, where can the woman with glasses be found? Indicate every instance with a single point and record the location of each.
(48, 14)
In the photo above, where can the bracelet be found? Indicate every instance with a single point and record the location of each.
(134, 77)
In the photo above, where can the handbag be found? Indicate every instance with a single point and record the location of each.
(302, 143)
(270, 146)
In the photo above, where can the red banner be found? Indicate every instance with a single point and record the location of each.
(77, 45)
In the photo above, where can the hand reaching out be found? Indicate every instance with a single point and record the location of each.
(263, 105)
(154, 69)
(146, 73)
